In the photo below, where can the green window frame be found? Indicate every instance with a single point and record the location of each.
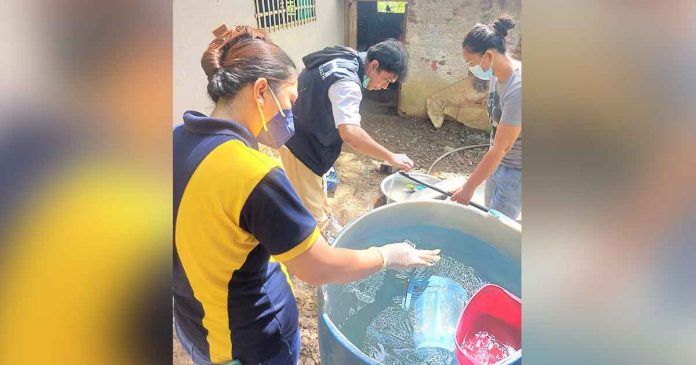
(272, 15)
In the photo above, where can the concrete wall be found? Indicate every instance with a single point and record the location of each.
(434, 33)
(194, 21)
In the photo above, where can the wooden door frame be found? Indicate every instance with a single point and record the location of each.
(351, 23)
(404, 30)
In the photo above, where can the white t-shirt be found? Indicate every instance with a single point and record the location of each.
(345, 99)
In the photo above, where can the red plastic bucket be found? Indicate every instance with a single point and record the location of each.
(492, 316)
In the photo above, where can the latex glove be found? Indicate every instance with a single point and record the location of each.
(463, 194)
(401, 162)
(402, 256)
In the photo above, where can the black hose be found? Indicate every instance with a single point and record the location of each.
(473, 204)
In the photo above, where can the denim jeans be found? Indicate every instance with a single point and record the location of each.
(504, 191)
(288, 355)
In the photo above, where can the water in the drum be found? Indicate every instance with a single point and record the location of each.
(486, 348)
(389, 335)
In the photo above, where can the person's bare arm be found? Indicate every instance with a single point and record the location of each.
(505, 137)
(361, 141)
(323, 264)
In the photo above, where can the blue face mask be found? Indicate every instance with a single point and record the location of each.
(279, 130)
(480, 73)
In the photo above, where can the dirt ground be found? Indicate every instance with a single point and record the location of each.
(358, 190)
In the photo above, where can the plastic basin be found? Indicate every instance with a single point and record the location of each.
(496, 312)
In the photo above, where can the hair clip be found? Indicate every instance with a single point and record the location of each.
(224, 35)
(220, 31)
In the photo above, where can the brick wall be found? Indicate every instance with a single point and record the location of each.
(434, 33)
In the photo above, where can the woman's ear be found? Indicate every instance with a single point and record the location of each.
(491, 53)
(259, 87)
(491, 56)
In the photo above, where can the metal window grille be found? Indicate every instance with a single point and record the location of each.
(273, 15)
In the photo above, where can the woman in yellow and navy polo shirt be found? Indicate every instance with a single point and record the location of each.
(237, 221)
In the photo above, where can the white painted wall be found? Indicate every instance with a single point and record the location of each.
(194, 21)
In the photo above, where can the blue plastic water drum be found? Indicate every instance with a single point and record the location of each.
(437, 312)
(487, 243)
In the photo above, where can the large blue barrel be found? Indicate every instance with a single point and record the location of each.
(487, 242)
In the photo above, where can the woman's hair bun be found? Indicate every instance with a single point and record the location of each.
(503, 24)
(222, 83)
(240, 56)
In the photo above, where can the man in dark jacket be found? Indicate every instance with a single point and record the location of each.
(327, 113)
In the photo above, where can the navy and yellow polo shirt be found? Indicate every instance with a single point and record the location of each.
(236, 219)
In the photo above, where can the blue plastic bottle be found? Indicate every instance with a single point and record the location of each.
(436, 312)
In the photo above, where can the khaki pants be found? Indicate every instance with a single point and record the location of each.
(309, 186)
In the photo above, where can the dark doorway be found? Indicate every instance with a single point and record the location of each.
(375, 25)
